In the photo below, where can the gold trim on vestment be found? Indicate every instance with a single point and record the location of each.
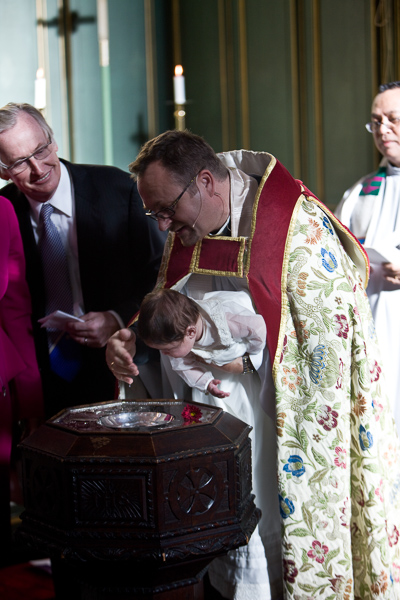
(264, 178)
(162, 272)
(349, 236)
(285, 269)
(194, 263)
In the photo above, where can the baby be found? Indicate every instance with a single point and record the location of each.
(216, 330)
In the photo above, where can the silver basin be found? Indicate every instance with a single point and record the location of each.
(134, 419)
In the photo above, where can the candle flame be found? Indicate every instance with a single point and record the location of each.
(178, 70)
(40, 73)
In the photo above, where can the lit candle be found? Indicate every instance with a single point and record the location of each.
(179, 86)
(102, 32)
(40, 89)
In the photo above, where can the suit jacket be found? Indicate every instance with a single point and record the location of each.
(119, 251)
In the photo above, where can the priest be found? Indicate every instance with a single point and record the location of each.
(326, 455)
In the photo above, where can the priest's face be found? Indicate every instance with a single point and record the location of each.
(386, 114)
(193, 213)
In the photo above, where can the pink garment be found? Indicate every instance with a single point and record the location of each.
(20, 384)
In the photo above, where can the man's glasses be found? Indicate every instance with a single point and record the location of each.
(169, 211)
(21, 164)
(374, 126)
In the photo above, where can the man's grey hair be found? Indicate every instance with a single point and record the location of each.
(10, 113)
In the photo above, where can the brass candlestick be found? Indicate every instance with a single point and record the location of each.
(180, 116)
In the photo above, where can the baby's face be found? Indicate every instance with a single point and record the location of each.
(177, 349)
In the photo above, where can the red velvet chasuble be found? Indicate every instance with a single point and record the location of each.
(259, 258)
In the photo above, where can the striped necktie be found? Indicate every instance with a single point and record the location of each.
(65, 353)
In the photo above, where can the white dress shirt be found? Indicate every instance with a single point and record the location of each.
(63, 217)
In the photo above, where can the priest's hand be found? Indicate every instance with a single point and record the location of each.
(391, 272)
(235, 366)
(121, 347)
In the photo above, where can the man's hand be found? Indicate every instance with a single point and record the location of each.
(121, 348)
(96, 330)
(236, 366)
(391, 273)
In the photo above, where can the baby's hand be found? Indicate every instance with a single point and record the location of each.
(214, 390)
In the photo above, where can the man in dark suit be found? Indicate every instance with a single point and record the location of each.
(112, 252)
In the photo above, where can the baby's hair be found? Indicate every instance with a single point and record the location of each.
(165, 316)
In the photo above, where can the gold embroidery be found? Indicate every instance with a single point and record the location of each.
(264, 178)
(194, 263)
(284, 306)
(162, 273)
(196, 256)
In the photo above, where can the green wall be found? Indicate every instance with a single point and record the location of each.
(292, 77)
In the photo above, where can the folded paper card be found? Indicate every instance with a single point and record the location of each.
(58, 320)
